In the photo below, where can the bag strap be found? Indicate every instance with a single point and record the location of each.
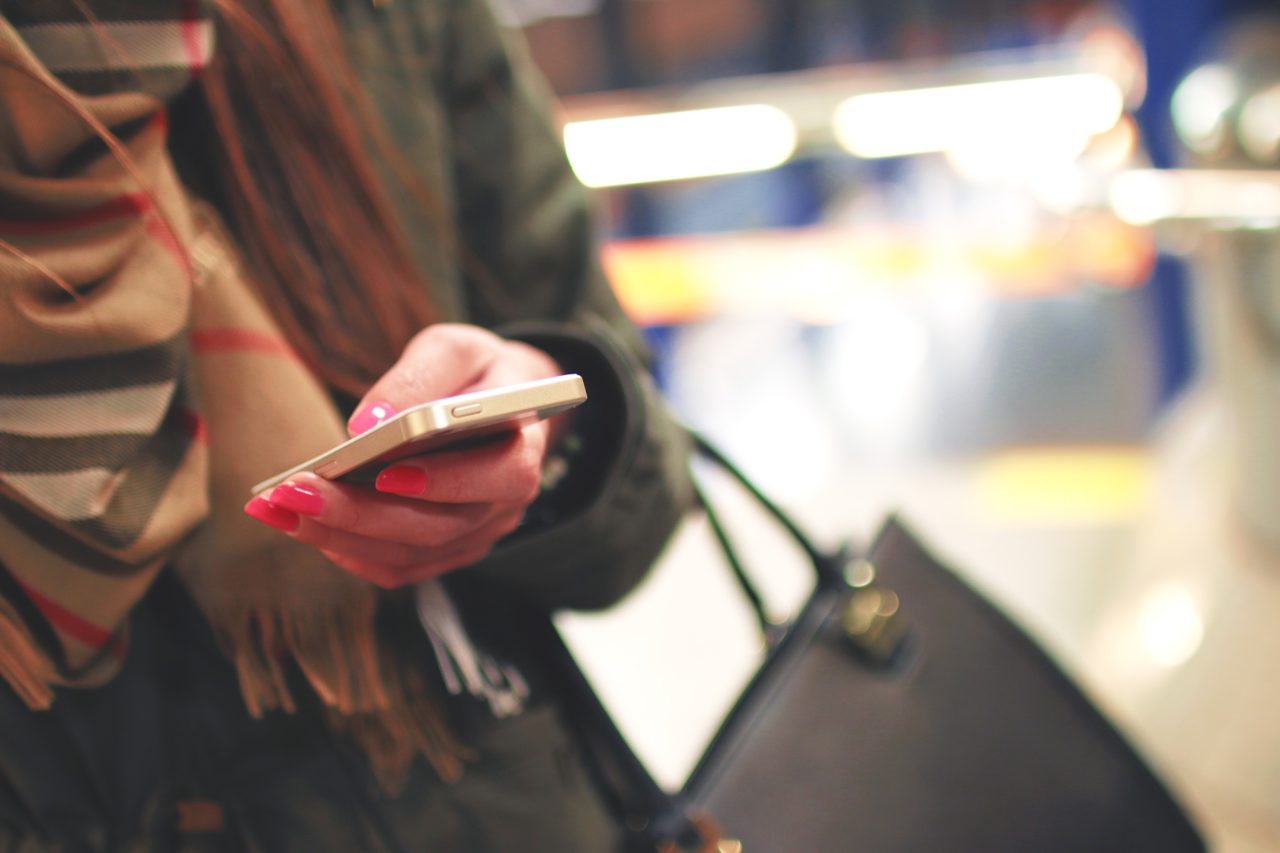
(653, 819)
(823, 565)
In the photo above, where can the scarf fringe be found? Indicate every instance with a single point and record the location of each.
(380, 702)
(22, 664)
(393, 739)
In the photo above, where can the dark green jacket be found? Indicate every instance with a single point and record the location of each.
(460, 99)
(165, 757)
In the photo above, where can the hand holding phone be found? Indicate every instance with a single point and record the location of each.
(447, 505)
(451, 422)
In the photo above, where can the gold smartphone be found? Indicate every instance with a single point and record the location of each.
(449, 422)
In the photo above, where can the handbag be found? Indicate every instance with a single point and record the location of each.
(897, 711)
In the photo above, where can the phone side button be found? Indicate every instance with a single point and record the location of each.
(466, 411)
(326, 470)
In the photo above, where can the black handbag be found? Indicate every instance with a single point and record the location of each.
(898, 711)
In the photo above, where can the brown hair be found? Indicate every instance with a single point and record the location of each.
(292, 168)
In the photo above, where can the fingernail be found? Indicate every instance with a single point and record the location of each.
(370, 416)
(299, 499)
(262, 510)
(401, 480)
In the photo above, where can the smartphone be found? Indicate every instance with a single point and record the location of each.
(450, 422)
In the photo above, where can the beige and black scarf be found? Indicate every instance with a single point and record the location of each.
(144, 388)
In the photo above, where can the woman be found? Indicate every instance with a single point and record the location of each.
(224, 229)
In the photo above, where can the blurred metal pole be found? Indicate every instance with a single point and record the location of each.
(619, 58)
(785, 48)
(1171, 39)
(1240, 272)
(637, 216)
(1238, 266)
(1173, 35)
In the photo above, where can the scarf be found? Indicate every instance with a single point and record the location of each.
(143, 389)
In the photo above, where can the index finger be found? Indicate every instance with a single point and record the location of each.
(441, 360)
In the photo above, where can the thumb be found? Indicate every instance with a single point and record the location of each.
(441, 360)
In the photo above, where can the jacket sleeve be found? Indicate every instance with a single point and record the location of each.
(527, 226)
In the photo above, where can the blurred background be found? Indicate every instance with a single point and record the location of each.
(1010, 268)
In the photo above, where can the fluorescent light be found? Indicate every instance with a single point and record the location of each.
(1028, 112)
(522, 13)
(1006, 159)
(1144, 196)
(672, 146)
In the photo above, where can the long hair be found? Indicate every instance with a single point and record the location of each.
(292, 169)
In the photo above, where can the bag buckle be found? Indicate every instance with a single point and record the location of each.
(872, 616)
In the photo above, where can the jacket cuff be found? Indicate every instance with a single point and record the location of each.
(591, 453)
(598, 537)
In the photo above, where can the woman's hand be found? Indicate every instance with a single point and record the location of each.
(433, 513)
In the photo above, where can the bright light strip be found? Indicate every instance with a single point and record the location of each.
(1028, 111)
(1144, 196)
(673, 146)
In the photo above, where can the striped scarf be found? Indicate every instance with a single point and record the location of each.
(144, 389)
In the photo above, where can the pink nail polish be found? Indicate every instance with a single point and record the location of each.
(370, 416)
(300, 499)
(281, 519)
(401, 480)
